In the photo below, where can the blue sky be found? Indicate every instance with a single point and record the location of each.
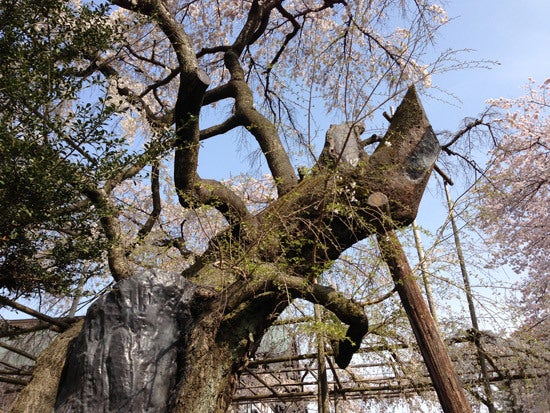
(514, 33)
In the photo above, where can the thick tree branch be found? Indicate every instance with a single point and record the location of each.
(116, 251)
(330, 210)
(6, 330)
(155, 196)
(256, 23)
(187, 110)
(192, 86)
(11, 380)
(348, 311)
(268, 281)
(218, 93)
(227, 125)
(217, 195)
(261, 128)
(192, 190)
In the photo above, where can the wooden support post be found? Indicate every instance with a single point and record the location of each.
(433, 349)
(322, 382)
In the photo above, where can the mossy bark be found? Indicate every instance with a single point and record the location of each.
(248, 277)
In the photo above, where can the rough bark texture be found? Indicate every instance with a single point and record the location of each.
(39, 394)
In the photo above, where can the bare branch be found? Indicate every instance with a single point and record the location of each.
(164, 81)
(443, 175)
(7, 330)
(467, 128)
(380, 299)
(348, 311)
(295, 29)
(27, 310)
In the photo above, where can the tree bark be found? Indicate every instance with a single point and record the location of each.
(39, 395)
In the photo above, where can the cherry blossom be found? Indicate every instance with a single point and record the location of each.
(516, 208)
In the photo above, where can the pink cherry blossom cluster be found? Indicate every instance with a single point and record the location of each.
(516, 211)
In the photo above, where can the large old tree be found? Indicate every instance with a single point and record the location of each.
(100, 101)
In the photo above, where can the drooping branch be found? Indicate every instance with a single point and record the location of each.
(348, 311)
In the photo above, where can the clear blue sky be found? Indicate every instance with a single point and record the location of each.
(514, 33)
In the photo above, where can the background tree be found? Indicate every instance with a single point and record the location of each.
(512, 205)
(517, 193)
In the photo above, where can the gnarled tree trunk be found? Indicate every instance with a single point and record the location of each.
(159, 343)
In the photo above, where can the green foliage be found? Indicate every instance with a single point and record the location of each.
(49, 146)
